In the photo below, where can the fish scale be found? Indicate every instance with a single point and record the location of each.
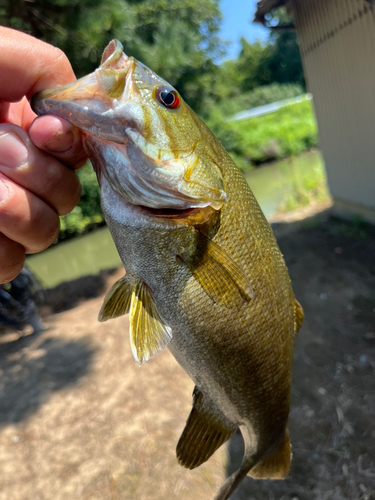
(205, 279)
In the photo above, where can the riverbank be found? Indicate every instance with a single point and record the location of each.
(79, 419)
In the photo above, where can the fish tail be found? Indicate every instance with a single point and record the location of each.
(274, 466)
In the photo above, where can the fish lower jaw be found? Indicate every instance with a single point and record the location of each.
(188, 216)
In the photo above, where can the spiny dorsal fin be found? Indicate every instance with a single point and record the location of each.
(148, 333)
(204, 433)
(117, 301)
(298, 316)
(221, 278)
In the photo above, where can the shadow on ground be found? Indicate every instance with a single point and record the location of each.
(332, 267)
(71, 293)
(33, 368)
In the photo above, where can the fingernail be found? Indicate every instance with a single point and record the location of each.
(13, 151)
(4, 191)
(60, 143)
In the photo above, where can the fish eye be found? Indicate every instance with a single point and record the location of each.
(167, 97)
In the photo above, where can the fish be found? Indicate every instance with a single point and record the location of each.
(204, 275)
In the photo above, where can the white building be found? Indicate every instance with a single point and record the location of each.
(337, 45)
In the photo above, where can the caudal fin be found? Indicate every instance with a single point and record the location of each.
(275, 466)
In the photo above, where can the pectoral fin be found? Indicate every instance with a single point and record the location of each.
(204, 433)
(148, 333)
(117, 301)
(221, 278)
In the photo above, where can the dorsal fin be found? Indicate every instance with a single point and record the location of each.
(204, 433)
(221, 278)
(148, 333)
(117, 301)
(298, 316)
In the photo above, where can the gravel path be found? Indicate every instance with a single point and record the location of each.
(80, 420)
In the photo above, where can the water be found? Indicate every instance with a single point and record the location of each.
(270, 182)
(95, 251)
(69, 260)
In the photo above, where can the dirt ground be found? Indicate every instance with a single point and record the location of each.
(80, 420)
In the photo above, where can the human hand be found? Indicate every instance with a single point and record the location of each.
(37, 158)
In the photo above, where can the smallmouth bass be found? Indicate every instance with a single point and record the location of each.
(204, 275)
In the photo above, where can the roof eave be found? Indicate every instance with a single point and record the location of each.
(264, 7)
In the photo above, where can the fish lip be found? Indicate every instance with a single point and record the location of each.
(94, 122)
(64, 109)
(84, 101)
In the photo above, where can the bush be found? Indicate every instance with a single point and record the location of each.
(87, 214)
(288, 131)
(259, 97)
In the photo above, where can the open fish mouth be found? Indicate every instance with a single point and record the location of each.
(128, 122)
(90, 101)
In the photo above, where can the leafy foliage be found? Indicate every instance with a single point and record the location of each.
(88, 213)
(178, 38)
(302, 190)
(288, 131)
(259, 97)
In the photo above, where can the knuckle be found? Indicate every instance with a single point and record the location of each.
(12, 259)
(8, 273)
(44, 228)
(72, 200)
(50, 235)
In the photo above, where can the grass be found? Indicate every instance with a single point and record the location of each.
(288, 131)
(304, 187)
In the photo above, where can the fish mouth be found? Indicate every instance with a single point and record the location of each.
(89, 101)
(123, 135)
(190, 216)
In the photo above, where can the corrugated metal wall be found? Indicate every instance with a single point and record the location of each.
(337, 41)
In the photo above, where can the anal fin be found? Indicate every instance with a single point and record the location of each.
(204, 433)
(220, 277)
(275, 466)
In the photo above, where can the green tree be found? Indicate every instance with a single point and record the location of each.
(177, 38)
(284, 60)
(252, 65)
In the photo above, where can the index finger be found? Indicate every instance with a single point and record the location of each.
(28, 65)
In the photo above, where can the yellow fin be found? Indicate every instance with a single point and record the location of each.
(221, 278)
(204, 433)
(117, 301)
(298, 316)
(148, 333)
(275, 466)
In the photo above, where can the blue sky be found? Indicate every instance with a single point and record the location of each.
(238, 15)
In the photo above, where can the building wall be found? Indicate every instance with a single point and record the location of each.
(337, 42)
